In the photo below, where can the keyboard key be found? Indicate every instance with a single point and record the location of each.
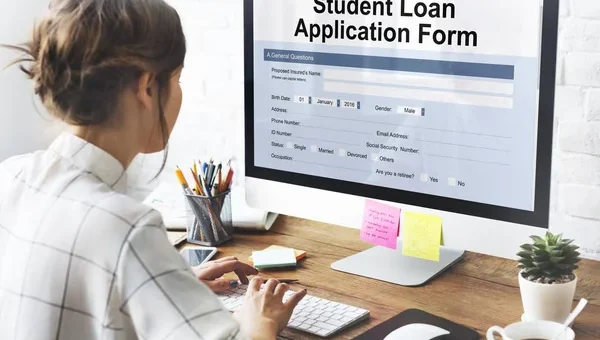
(323, 332)
(346, 319)
(324, 325)
(336, 323)
(305, 326)
(351, 314)
(314, 329)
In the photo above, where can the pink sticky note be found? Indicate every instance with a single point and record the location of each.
(381, 224)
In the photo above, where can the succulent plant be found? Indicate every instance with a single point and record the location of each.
(551, 259)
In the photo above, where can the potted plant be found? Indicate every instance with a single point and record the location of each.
(547, 277)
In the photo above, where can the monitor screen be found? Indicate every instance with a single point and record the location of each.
(445, 105)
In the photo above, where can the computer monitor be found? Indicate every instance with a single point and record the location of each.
(444, 108)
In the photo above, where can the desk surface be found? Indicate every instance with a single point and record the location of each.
(479, 292)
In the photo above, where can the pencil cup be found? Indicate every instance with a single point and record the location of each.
(210, 223)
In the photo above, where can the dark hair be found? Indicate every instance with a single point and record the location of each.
(86, 52)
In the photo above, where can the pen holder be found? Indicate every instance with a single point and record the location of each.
(211, 223)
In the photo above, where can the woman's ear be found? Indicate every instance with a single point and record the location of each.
(145, 90)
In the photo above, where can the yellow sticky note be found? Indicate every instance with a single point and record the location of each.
(421, 236)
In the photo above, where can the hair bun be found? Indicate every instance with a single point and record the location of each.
(83, 54)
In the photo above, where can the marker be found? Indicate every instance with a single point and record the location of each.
(217, 174)
(210, 174)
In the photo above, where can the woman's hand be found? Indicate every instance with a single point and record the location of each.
(264, 314)
(211, 273)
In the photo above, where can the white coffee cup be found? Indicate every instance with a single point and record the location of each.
(546, 330)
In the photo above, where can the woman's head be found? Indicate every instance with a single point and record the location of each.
(109, 64)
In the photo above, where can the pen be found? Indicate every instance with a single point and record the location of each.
(216, 174)
(219, 173)
(182, 181)
(288, 280)
(204, 168)
(202, 180)
(284, 280)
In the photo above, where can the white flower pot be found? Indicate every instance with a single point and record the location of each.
(550, 302)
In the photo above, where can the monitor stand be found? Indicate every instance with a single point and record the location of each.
(390, 265)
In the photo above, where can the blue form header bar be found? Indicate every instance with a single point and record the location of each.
(455, 68)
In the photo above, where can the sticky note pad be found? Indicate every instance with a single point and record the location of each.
(422, 236)
(300, 254)
(274, 258)
(380, 225)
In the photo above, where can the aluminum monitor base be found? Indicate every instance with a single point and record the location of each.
(391, 266)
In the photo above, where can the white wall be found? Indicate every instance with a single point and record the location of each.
(576, 166)
(211, 121)
(22, 127)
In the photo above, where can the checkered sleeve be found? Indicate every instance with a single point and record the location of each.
(161, 294)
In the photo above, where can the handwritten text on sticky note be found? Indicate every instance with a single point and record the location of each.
(380, 224)
(422, 236)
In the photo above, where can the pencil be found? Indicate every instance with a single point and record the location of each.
(217, 178)
(229, 179)
(286, 280)
(198, 187)
(182, 181)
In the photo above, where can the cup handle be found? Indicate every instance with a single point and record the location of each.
(495, 330)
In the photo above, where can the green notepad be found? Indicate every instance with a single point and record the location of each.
(274, 258)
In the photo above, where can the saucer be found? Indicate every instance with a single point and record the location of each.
(524, 318)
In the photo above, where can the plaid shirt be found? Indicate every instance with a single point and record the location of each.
(81, 260)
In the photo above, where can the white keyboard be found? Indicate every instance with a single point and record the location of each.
(312, 315)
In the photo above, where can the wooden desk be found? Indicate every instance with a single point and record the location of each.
(479, 292)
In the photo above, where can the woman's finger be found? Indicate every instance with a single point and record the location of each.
(295, 299)
(271, 285)
(216, 270)
(242, 276)
(254, 286)
(222, 285)
(280, 290)
(225, 259)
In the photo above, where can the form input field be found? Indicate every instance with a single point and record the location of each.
(434, 82)
(419, 94)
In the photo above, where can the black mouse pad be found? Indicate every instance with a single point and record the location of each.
(415, 324)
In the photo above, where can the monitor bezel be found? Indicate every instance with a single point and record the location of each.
(539, 217)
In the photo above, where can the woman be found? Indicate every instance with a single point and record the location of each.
(78, 258)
